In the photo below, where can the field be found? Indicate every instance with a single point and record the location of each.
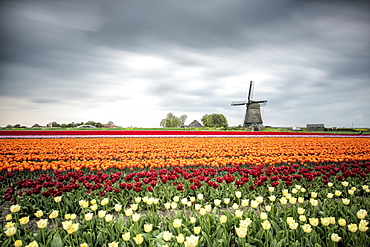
(185, 191)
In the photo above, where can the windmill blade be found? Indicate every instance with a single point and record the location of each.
(259, 101)
(250, 90)
(238, 103)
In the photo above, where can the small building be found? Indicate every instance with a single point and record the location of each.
(195, 124)
(109, 126)
(315, 127)
(86, 126)
(36, 126)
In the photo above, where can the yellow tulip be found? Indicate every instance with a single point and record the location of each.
(263, 216)
(180, 238)
(302, 218)
(102, 213)
(238, 213)
(24, 220)
(271, 198)
(245, 223)
(335, 237)
(73, 228)
(9, 225)
(18, 243)
(57, 199)
(223, 219)
(105, 201)
(8, 217)
(352, 227)
(325, 221)
(191, 241)
(254, 204)
(118, 207)
(338, 193)
(84, 245)
(42, 223)
(314, 221)
(241, 232)
(342, 222)
(217, 202)
(361, 214)
(177, 223)
(108, 217)
(139, 239)
(293, 226)
(137, 199)
(301, 210)
(136, 217)
(113, 244)
(32, 244)
(345, 201)
(126, 236)
(128, 212)
(238, 194)
(10, 231)
(15, 208)
(245, 202)
(197, 229)
(94, 207)
(307, 228)
(88, 216)
(193, 220)
(259, 199)
(266, 225)
(167, 236)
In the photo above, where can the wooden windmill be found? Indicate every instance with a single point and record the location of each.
(253, 113)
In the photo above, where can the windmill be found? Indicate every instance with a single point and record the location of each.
(253, 113)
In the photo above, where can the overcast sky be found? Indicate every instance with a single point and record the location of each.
(134, 61)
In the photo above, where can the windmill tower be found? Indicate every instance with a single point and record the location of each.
(253, 113)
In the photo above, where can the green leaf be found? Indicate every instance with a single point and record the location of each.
(57, 241)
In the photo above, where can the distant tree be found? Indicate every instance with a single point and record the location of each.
(53, 124)
(90, 123)
(182, 119)
(110, 123)
(16, 126)
(63, 125)
(214, 120)
(170, 121)
(98, 125)
(9, 126)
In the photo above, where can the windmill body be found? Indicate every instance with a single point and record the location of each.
(253, 116)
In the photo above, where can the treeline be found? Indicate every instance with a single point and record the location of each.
(209, 120)
(55, 124)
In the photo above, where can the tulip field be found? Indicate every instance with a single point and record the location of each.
(185, 191)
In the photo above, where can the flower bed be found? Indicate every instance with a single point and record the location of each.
(185, 192)
(157, 133)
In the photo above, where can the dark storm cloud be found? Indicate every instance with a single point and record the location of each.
(310, 58)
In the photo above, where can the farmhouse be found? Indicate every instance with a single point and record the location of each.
(195, 124)
(315, 127)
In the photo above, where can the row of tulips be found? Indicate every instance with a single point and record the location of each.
(280, 218)
(308, 212)
(121, 153)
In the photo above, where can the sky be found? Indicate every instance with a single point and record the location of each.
(134, 61)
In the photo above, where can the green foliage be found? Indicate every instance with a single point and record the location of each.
(172, 121)
(214, 120)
